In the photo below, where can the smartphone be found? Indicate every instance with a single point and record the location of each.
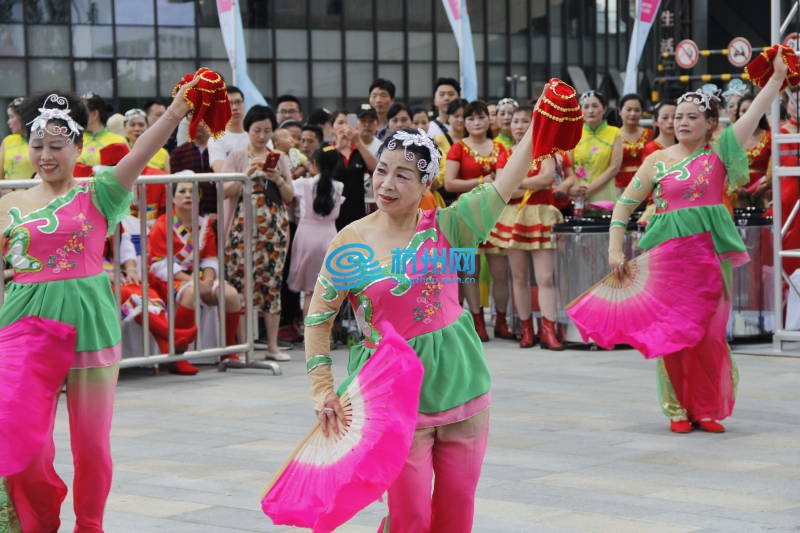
(272, 161)
(352, 120)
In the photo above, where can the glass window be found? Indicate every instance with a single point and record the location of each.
(91, 11)
(171, 13)
(11, 12)
(358, 14)
(390, 16)
(496, 16)
(325, 13)
(393, 73)
(420, 46)
(292, 78)
(136, 78)
(95, 76)
(261, 74)
(519, 46)
(222, 66)
(291, 44)
(49, 73)
(327, 78)
(447, 70)
(326, 44)
(170, 72)
(48, 40)
(12, 40)
(13, 86)
(497, 81)
(358, 44)
(478, 43)
(519, 89)
(497, 47)
(359, 76)
(176, 42)
(92, 41)
(255, 13)
(289, 13)
(420, 14)
(128, 12)
(390, 45)
(442, 22)
(211, 43)
(207, 15)
(446, 47)
(539, 49)
(136, 41)
(259, 43)
(420, 80)
(46, 11)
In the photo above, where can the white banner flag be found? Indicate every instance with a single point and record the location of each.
(646, 11)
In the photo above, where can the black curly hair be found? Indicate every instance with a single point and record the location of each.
(29, 109)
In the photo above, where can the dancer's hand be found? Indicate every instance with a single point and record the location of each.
(618, 264)
(779, 66)
(331, 417)
(179, 105)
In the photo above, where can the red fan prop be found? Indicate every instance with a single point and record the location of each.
(208, 100)
(760, 69)
(661, 306)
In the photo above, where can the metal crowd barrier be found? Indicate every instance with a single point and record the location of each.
(200, 352)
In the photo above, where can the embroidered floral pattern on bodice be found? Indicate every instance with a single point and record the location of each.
(698, 188)
(429, 305)
(62, 260)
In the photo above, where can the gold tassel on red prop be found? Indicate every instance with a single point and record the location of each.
(760, 69)
(208, 100)
(557, 123)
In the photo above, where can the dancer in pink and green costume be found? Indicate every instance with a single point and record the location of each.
(53, 237)
(423, 306)
(696, 384)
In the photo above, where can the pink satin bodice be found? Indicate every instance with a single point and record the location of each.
(698, 180)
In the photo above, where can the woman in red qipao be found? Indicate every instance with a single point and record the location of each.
(183, 243)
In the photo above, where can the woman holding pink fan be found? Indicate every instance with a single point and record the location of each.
(53, 236)
(692, 231)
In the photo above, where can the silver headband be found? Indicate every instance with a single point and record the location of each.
(588, 94)
(429, 169)
(39, 125)
(507, 102)
(700, 98)
(736, 87)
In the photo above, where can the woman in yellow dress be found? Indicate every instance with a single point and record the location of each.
(14, 150)
(135, 123)
(598, 155)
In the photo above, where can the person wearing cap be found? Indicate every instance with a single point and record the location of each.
(14, 150)
(97, 136)
(368, 126)
(444, 91)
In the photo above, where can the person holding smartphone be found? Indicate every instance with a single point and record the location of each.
(272, 191)
(355, 158)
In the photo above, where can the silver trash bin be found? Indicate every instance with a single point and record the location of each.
(752, 307)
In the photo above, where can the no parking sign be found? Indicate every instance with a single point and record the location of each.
(687, 53)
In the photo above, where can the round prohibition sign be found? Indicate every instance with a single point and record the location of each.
(687, 53)
(793, 41)
(739, 51)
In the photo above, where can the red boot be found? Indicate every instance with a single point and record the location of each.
(710, 425)
(528, 339)
(501, 330)
(231, 327)
(183, 368)
(547, 336)
(480, 325)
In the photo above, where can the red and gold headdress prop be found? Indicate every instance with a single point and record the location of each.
(760, 69)
(208, 100)
(557, 123)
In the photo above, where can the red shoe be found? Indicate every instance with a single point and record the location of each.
(231, 356)
(528, 339)
(680, 426)
(710, 425)
(288, 334)
(480, 325)
(183, 368)
(547, 336)
(501, 330)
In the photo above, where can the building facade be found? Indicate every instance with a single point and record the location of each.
(326, 52)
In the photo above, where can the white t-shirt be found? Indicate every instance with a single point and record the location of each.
(218, 149)
(434, 129)
(375, 145)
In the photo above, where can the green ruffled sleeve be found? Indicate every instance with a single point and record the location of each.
(468, 221)
(734, 157)
(111, 198)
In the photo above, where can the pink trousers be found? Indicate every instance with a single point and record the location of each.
(453, 454)
(37, 492)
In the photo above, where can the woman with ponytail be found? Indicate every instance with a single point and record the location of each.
(320, 198)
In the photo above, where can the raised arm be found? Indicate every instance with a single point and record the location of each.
(544, 178)
(129, 168)
(746, 125)
(635, 193)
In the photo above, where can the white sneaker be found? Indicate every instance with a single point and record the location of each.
(280, 356)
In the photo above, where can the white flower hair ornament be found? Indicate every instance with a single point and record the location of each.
(736, 87)
(698, 97)
(428, 168)
(39, 125)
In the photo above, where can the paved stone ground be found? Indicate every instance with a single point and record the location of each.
(578, 444)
